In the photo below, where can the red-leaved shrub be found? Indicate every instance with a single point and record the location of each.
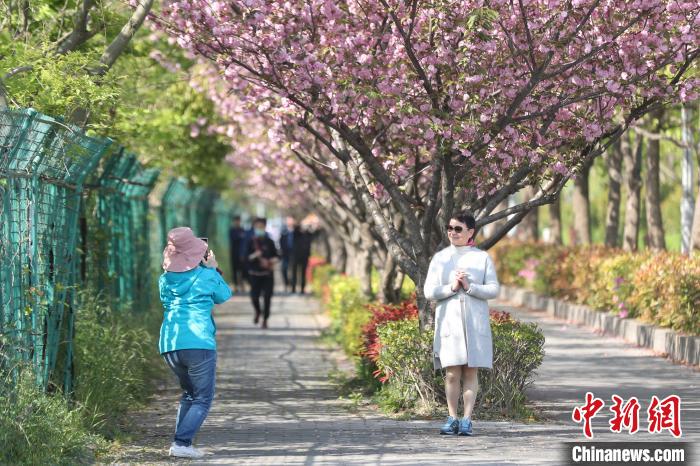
(382, 313)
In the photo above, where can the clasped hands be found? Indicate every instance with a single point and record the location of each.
(461, 281)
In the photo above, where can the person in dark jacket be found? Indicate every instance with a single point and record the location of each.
(287, 246)
(300, 258)
(236, 235)
(261, 255)
(189, 289)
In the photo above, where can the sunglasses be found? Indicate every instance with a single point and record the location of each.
(456, 229)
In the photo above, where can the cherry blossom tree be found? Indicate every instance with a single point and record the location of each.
(443, 105)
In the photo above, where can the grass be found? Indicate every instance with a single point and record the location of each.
(117, 367)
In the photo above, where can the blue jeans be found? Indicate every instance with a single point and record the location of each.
(196, 369)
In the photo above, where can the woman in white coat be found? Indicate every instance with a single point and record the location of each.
(461, 278)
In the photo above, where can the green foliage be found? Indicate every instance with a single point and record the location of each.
(172, 133)
(518, 350)
(146, 101)
(116, 361)
(612, 288)
(57, 84)
(346, 307)
(406, 356)
(667, 292)
(116, 366)
(321, 277)
(41, 429)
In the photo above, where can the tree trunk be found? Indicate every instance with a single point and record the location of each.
(527, 230)
(555, 236)
(339, 255)
(633, 180)
(687, 183)
(398, 283)
(695, 237)
(582, 206)
(119, 43)
(613, 162)
(386, 292)
(655, 225)
(365, 272)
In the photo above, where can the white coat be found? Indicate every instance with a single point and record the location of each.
(462, 327)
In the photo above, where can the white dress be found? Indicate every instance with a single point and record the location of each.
(462, 327)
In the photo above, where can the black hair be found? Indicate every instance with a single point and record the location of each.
(236, 217)
(262, 220)
(467, 218)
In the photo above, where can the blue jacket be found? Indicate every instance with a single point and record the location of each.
(188, 299)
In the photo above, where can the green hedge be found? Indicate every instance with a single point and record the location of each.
(348, 313)
(395, 359)
(662, 288)
(406, 357)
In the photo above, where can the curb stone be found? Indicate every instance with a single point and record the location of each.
(680, 348)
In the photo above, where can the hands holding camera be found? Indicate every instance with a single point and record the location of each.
(210, 261)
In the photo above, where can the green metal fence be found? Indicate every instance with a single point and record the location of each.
(43, 164)
(116, 238)
(75, 214)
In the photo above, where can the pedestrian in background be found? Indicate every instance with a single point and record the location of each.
(300, 257)
(286, 247)
(189, 288)
(261, 256)
(236, 236)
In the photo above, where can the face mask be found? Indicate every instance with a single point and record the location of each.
(259, 232)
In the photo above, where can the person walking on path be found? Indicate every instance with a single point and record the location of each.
(287, 246)
(236, 236)
(461, 278)
(260, 256)
(300, 258)
(189, 288)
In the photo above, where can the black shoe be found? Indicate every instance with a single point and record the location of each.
(257, 318)
(264, 324)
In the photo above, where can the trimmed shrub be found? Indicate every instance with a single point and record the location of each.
(524, 264)
(518, 350)
(405, 360)
(405, 357)
(667, 292)
(661, 288)
(321, 276)
(348, 313)
(380, 314)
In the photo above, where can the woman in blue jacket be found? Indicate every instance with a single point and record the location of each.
(189, 288)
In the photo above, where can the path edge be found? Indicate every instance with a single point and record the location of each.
(678, 347)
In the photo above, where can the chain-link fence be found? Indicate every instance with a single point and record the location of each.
(43, 165)
(75, 214)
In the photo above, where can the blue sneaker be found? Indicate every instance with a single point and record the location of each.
(450, 427)
(465, 426)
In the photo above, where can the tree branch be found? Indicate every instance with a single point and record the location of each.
(120, 42)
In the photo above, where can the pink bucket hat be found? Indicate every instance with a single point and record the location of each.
(184, 250)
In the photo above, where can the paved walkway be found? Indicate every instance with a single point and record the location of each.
(275, 404)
